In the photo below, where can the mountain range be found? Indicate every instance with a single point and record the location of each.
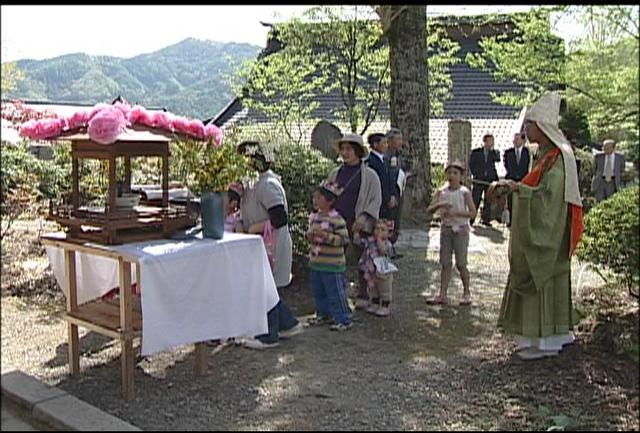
(190, 78)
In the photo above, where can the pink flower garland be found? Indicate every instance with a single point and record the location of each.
(106, 121)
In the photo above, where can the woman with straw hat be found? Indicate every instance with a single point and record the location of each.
(359, 203)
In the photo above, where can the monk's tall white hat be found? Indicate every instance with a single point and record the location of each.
(546, 114)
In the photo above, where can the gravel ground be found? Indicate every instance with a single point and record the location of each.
(423, 368)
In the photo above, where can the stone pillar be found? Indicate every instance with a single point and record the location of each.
(459, 145)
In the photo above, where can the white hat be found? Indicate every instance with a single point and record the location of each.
(546, 114)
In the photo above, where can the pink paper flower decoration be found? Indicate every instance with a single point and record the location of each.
(180, 124)
(124, 107)
(48, 128)
(140, 115)
(79, 119)
(212, 131)
(162, 120)
(196, 128)
(98, 108)
(28, 129)
(105, 126)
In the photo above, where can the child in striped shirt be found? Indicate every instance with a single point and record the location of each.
(328, 236)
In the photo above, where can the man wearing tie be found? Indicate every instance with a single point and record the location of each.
(482, 164)
(607, 167)
(516, 162)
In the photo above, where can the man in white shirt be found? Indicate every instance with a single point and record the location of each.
(608, 167)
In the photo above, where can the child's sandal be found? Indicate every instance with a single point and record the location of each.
(466, 300)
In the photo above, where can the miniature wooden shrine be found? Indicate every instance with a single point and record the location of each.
(112, 224)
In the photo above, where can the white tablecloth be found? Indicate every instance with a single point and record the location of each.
(193, 290)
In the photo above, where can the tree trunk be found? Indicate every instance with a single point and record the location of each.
(409, 102)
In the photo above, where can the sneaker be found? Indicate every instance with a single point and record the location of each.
(372, 308)
(361, 304)
(534, 353)
(383, 311)
(320, 321)
(341, 326)
(253, 343)
(295, 330)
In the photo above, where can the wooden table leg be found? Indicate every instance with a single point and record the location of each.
(72, 306)
(126, 326)
(201, 368)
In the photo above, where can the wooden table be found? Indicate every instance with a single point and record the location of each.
(118, 320)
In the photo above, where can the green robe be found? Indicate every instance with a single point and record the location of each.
(537, 300)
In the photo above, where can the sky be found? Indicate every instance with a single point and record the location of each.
(42, 32)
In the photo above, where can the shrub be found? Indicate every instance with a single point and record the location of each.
(438, 178)
(612, 237)
(584, 177)
(301, 169)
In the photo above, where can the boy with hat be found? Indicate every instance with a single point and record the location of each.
(456, 208)
(328, 236)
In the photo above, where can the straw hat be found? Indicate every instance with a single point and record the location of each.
(455, 163)
(353, 139)
(546, 114)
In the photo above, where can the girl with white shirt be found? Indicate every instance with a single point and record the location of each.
(455, 204)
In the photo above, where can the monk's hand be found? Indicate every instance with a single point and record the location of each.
(511, 184)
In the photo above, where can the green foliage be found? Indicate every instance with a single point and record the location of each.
(575, 126)
(301, 169)
(438, 177)
(599, 71)
(26, 180)
(441, 56)
(584, 177)
(532, 56)
(11, 76)
(334, 49)
(188, 78)
(612, 236)
(220, 167)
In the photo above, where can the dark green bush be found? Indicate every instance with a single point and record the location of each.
(612, 236)
(301, 169)
(584, 177)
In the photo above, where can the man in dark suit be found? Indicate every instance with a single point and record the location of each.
(376, 160)
(482, 164)
(516, 162)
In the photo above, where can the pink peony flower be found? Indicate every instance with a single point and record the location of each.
(139, 114)
(180, 124)
(106, 125)
(197, 129)
(79, 119)
(162, 120)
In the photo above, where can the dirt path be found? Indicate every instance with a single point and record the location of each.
(422, 368)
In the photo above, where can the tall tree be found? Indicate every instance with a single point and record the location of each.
(335, 49)
(405, 27)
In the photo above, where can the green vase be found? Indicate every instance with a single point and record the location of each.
(212, 210)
